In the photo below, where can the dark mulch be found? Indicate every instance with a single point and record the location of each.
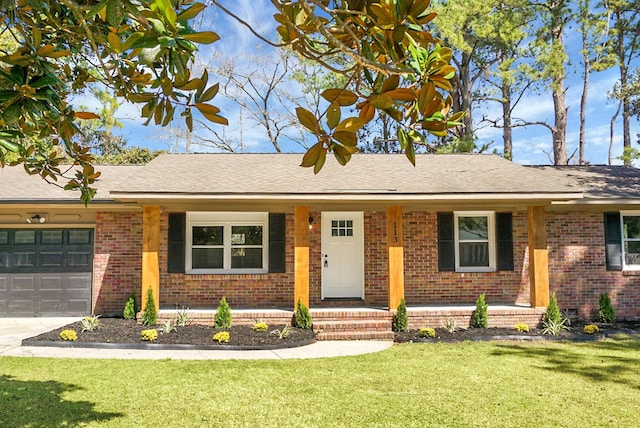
(121, 331)
(472, 334)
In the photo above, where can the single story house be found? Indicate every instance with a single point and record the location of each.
(264, 232)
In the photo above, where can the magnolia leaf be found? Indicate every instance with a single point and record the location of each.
(402, 94)
(346, 138)
(342, 155)
(204, 37)
(410, 152)
(207, 108)
(390, 83)
(342, 96)
(165, 8)
(191, 12)
(114, 42)
(350, 124)
(11, 146)
(211, 92)
(308, 120)
(216, 118)
(402, 138)
(192, 84)
(381, 101)
(367, 112)
(310, 158)
(85, 115)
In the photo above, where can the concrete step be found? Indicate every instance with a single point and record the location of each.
(355, 335)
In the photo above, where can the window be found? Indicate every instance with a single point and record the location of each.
(474, 241)
(630, 222)
(226, 242)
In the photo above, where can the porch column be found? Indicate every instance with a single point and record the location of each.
(538, 257)
(301, 257)
(150, 249)
(395, 246)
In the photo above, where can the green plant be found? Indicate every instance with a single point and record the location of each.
(553, 310)
(427, 332)
(302, 316)
(450, 325)
(168, 326)
(222, 337)
(150, 316)
(183, 317)
(479, 318)
(591, 329)
(554, 328)
(607, 313)
(283, 333)
(400, 320)
(223, 314)
(130, 308)
(521, 327)
(69, 335)
(260, 326)
(149, 335)
(90, 323)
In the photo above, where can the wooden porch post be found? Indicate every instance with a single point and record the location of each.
(301, 260)
(538, 257)
(395, 246)
(150, 249)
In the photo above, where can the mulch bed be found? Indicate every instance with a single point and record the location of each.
(121, 331)
(475, 334)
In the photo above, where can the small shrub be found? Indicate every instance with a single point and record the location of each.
(521, 327)
(283, 333)
(150, 316)
(607, 313)
(553, 310)
(554, 328)
(479, 318)
(130, 308)
(168, 326)
(149, 335)
(591, 329)
(223, 314)
(450, 325)
(183, 317)
(222, 337)
(302, 316)
(400, 320)
(90, 323)
(69, 335)
(427, 332)
(260, 327)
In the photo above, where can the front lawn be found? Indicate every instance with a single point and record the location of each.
(465, 384)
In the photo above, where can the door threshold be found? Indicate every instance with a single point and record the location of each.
(343, 299)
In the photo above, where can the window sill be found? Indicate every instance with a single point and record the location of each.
(631, 273)
(474, 270)
(226, 272)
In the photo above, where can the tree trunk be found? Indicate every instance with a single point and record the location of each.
(507, 137)
(559, 132)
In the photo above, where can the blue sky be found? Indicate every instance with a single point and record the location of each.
(532, 145)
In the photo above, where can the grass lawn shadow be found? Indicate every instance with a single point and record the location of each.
(41, 404)
(606, 361)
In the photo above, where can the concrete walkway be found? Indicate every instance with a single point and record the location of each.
(13, 330)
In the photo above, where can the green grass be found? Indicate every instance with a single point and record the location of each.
(467, 384)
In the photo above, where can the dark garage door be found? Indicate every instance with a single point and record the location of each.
(45, 272)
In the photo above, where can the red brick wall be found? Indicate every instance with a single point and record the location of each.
(117, 261)
(577, 268)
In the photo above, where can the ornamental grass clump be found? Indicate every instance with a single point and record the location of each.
(606, 312)
(150, 316)
(282, 333)
(130, 308)
(591, 329)
(427, 332)
(302, 317)
(90, 323)
(480, 318)
(223, 314)
(521, 327)
(400, 320)
(182, 316)
(222, 337)
(149, 335)
(69, 335)
(450, 325)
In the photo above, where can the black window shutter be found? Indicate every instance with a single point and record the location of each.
(446, 244)
(613, 240)
(504, 240)
(277, 233)
(176, 243)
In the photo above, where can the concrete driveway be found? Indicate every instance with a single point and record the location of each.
(13, 330)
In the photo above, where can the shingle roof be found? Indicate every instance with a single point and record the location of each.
(365, 174)
(17, 186)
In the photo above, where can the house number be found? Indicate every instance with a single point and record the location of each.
(395, 231)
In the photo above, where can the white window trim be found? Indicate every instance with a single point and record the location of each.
(491, 224)
(226, 219)
(625, 266)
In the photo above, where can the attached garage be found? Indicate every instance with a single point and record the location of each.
(45, 272)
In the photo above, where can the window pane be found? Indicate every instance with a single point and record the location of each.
(246, 258)
(24, 259)
(632, 252)
(25, 237)
(52, 237)
(473, 228)
(207, 258)
(631, 226)
(4, 237)
(246, 235)
(79, 236)
(474, 254)
(208, 235)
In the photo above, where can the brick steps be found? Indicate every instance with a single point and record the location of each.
(356, 335)
(352, 324)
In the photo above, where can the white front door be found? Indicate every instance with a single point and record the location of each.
(342, 255)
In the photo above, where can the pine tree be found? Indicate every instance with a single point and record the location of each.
(150, 316)
(223, 314)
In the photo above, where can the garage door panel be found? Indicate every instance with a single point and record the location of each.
(24, 283)
(52, 283)
(80, 259)
(52, 259)
(23, 259)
